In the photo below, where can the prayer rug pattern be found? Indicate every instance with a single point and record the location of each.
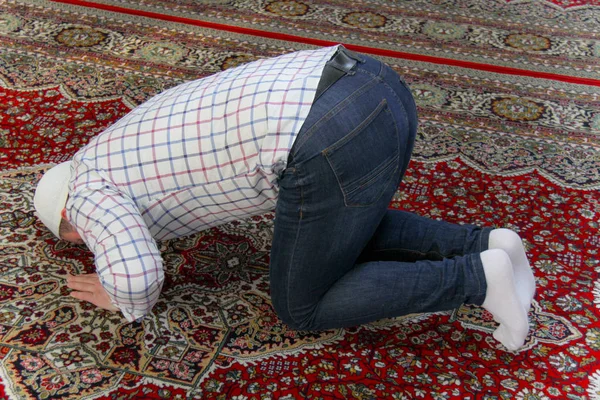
(541, 36)
(494, 150)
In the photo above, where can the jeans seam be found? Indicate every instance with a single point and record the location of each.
(357, 130)
(485, 233)
(478, 277)
(376, 173)
(377, 77)
(347, 194)
(289, 280)
(443, 300)
(475, 257)
(404, 113)
(301, 140)
(381, 77)
(421, 253)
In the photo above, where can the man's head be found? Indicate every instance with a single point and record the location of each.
(50, 199)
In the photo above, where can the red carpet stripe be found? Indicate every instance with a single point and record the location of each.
(319, 42)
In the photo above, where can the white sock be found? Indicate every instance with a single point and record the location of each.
(502, 299)
(512, 244)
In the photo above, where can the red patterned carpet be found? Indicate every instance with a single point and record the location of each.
(509, 102)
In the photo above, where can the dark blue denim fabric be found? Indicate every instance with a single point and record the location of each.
(339, 256)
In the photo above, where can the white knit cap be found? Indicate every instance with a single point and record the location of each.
(51, 195)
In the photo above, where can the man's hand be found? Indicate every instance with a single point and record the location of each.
(87, 287)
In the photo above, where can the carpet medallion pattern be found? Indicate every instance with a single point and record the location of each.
(214, 328)
(536, 35)
(493, 149)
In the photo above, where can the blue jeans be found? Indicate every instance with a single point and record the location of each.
(339, 256)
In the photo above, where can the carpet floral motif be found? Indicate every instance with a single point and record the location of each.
(551, 36)
(509, 127)
(214, 328)
(493, 151)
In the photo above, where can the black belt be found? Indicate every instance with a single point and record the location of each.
(339, 65)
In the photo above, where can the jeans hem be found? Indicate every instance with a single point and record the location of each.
(484, 239)
(484, 244)
(478, 297)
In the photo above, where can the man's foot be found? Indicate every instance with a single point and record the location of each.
(502, 299)
(512, 244)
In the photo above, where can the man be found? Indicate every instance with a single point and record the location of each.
(321, 136)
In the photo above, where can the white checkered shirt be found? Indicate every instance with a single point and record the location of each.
(195, 156)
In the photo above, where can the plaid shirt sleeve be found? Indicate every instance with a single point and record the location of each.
(110, 222)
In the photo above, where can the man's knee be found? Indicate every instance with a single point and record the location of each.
(300, 319)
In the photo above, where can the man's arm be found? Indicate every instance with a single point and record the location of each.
(128, 263)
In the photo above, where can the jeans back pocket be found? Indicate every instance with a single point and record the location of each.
(366, 159)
